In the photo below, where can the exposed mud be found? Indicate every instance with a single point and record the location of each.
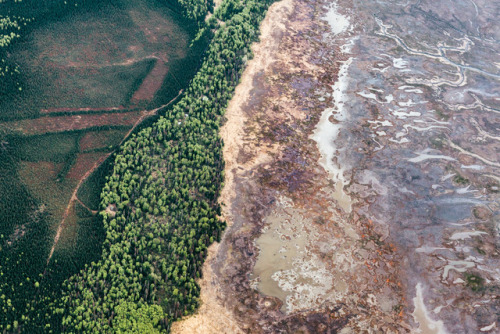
(294, 257)
(422, 134)
(362, 174)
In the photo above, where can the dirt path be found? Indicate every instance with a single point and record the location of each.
(93, 212)
(71, 201)
(74, 197)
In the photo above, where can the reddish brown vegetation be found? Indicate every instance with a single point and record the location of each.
(75, 110)
(100, 139)
(77, 122)
(84, 163)
(151, 84)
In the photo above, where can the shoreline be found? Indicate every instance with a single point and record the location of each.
(213, 316)
(293, 256)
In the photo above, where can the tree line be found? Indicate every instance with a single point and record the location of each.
(159, 205)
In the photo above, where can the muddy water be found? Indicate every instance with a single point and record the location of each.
(329, 126)
(363, 172)
(287, 268)
(422, 130)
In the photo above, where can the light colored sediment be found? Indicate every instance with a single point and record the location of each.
(426, 324)
(235, 140)
(379, 284)
(302, 252)
(212, 316)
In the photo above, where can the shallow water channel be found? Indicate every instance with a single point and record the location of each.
(411, 144)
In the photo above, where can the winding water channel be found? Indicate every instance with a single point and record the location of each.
(422, 133)
(410, 143)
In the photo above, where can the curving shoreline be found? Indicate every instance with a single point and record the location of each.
(277, 193)
(415, 156)
(213, 316)
(418, 249)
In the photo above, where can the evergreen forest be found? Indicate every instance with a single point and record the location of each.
(158, 209)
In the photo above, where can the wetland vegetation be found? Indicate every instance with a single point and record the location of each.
(105, 219)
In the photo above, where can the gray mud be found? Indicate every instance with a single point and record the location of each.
(422, 131)
(366, 187)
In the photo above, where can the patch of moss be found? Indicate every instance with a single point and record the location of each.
(320, 220)
(474, 281)
(56, 148)
(397, 308)
(437, 142)
(493, 187)
(459, 179)
(442, 115)
(480, 251)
